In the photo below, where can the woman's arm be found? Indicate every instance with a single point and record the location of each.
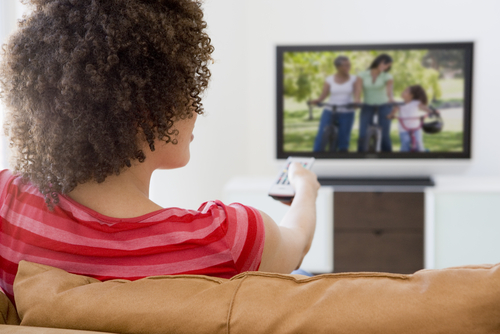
(393, 113)
(389, 87)
(286, 245)
(324, 94)
(358, 87)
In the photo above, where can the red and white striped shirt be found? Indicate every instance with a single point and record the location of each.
(217, 240)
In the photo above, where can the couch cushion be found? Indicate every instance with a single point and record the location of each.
(8, 313)
(11, 329)
(455, 300)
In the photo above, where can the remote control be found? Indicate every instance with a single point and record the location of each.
(281, 189)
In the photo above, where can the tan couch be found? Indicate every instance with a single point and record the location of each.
(455, 300)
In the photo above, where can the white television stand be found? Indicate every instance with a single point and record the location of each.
(461, 218)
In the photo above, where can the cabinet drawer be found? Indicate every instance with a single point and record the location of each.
(388, 251)
(368, 210)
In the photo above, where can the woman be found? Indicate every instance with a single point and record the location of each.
(101, 94)
(340, 88)
(377, 86)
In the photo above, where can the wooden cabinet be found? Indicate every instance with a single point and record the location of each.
(378, 231)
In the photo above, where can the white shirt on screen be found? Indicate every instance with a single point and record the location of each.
(409, 115)
(341, 93)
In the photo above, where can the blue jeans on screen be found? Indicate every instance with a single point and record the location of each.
(366, 118)
(344, 120)
(405, 138)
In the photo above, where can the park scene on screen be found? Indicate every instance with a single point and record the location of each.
(387, 101)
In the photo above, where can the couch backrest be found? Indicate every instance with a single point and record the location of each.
(457, 300)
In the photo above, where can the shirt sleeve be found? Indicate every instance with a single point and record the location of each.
(362, 75)
(245, 235)
(388, 76)
(6, 177)
(329, 80)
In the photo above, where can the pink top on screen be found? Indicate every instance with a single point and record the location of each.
(217, 240)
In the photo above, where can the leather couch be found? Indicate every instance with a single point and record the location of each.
(454, 300)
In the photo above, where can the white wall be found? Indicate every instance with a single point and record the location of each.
(238, 136)
(10, 11)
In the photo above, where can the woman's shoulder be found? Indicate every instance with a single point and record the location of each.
(363, 74)
(387, 76)
(410, 106)
(6, 178)
(413, 103)
(5, 175)
(16, 190)
(232, 211)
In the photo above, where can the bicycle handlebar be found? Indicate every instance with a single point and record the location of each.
(435, 112)
(355, 105)
(348, 106)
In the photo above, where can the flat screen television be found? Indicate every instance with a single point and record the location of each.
(381, 101)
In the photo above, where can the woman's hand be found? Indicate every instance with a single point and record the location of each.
(303, 179)
(392, 114)
(287, 244)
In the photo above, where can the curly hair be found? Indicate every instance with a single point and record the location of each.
(418, 93)
(86, 82)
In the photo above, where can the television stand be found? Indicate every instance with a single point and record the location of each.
(382, 182)
(378, 223)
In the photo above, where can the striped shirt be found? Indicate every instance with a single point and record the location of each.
(217, 240)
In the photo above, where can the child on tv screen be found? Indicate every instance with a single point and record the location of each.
(411, 119)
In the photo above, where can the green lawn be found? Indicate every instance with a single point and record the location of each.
(446, 141)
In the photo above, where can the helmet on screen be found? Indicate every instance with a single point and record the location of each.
(435, 124)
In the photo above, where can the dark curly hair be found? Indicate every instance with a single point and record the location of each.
(383, 58)
(86, 82)
(418, 93)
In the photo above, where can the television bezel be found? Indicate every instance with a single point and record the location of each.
(468, 48)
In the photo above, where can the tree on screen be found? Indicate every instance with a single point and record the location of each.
(305, 72)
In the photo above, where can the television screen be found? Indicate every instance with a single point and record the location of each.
(374, 101)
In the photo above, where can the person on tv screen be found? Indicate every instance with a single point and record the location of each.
(340, 87)
(100, 95)
(410, 123)
(377, 85)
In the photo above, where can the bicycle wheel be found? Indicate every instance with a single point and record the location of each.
(334, 134)
(373, 142)
(325, 138)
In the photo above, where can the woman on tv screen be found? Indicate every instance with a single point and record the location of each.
(340, 87)
(377, 84)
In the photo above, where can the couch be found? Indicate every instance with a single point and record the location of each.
(454, 300)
